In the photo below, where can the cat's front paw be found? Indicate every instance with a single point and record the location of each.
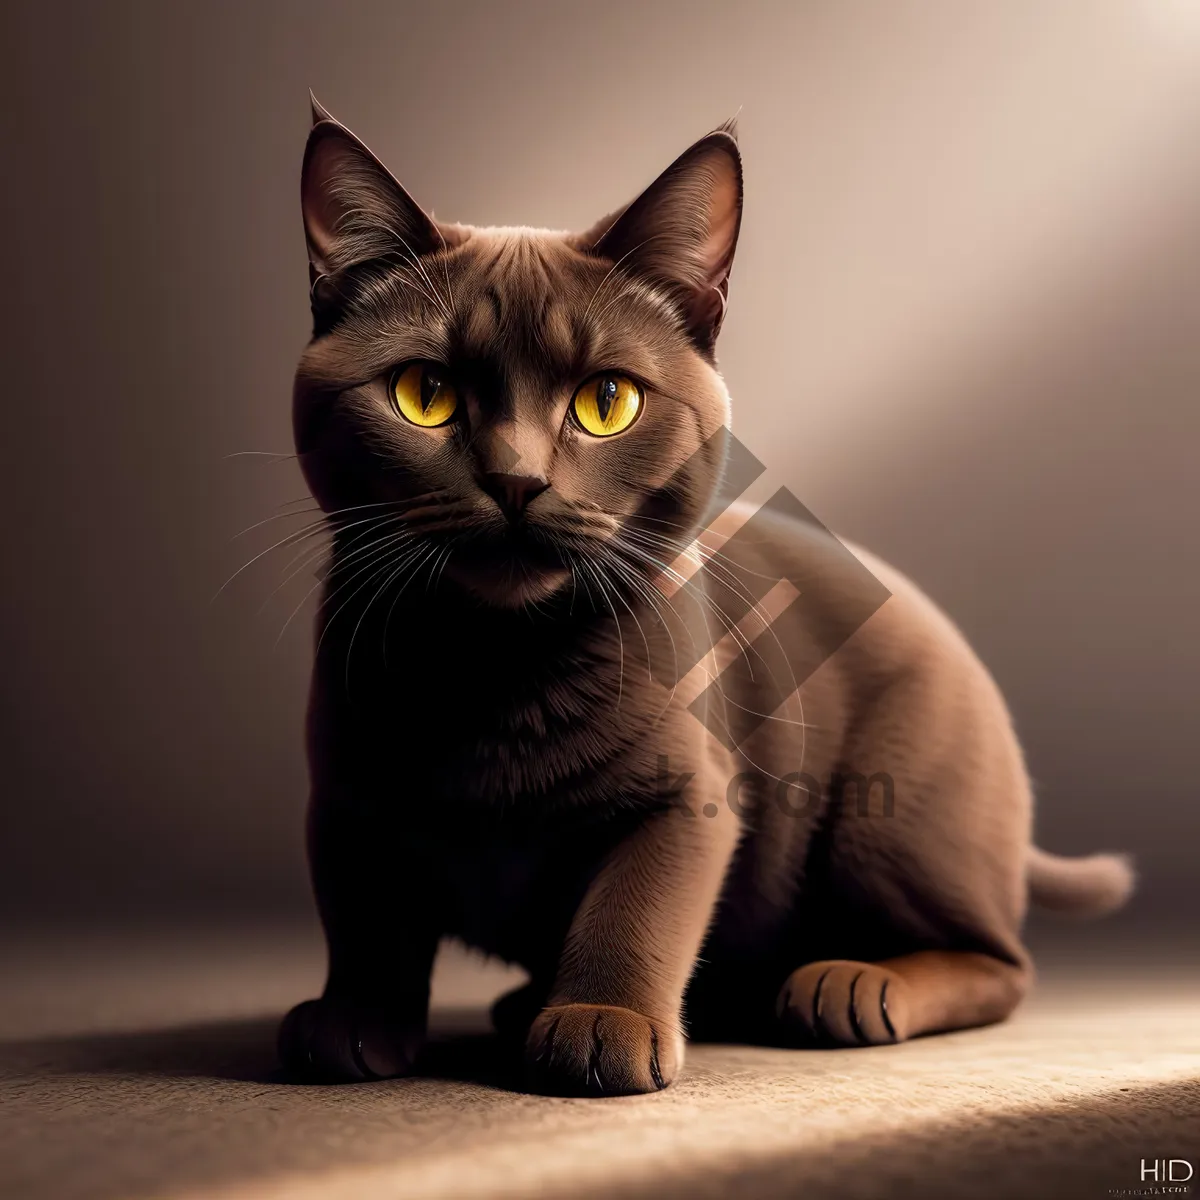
(336, 1041)
(600, 1050)
(843, 1003)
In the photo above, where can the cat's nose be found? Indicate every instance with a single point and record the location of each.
(513, 492)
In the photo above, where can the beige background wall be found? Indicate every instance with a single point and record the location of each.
(965, 330)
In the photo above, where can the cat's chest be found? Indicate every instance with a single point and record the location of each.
(499, 729)
(515, 896)
(497, 895)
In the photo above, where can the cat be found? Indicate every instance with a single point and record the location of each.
(518, 437)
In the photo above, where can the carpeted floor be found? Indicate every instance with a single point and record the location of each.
(134, 1066)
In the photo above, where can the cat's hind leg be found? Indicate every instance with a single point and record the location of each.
(930, 873)
(839, 1002)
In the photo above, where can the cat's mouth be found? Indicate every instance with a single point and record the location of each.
(508, 569)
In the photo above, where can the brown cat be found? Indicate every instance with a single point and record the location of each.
(518, 437)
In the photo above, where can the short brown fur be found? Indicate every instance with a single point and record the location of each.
(496, 752)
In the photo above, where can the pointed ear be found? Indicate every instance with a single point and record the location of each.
(354, 210)
(319, 111)
(681, 232)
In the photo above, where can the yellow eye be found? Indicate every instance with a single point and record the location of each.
(424, 394)
(607, 404)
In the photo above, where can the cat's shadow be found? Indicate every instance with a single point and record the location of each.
(461, 1048)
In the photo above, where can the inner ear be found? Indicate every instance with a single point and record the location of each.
(354, 209)
(681, 232)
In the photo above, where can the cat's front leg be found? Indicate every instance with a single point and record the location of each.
(379, 911)
(612, 1025)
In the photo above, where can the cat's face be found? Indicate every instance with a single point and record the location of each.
(517, 411)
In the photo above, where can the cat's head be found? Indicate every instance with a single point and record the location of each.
(520, 409)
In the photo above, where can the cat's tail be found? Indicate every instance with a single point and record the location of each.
(1087, 887)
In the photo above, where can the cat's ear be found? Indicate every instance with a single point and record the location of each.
(354, 209)
(681, 232)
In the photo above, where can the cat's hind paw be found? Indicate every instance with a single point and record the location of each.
(843, 1003)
